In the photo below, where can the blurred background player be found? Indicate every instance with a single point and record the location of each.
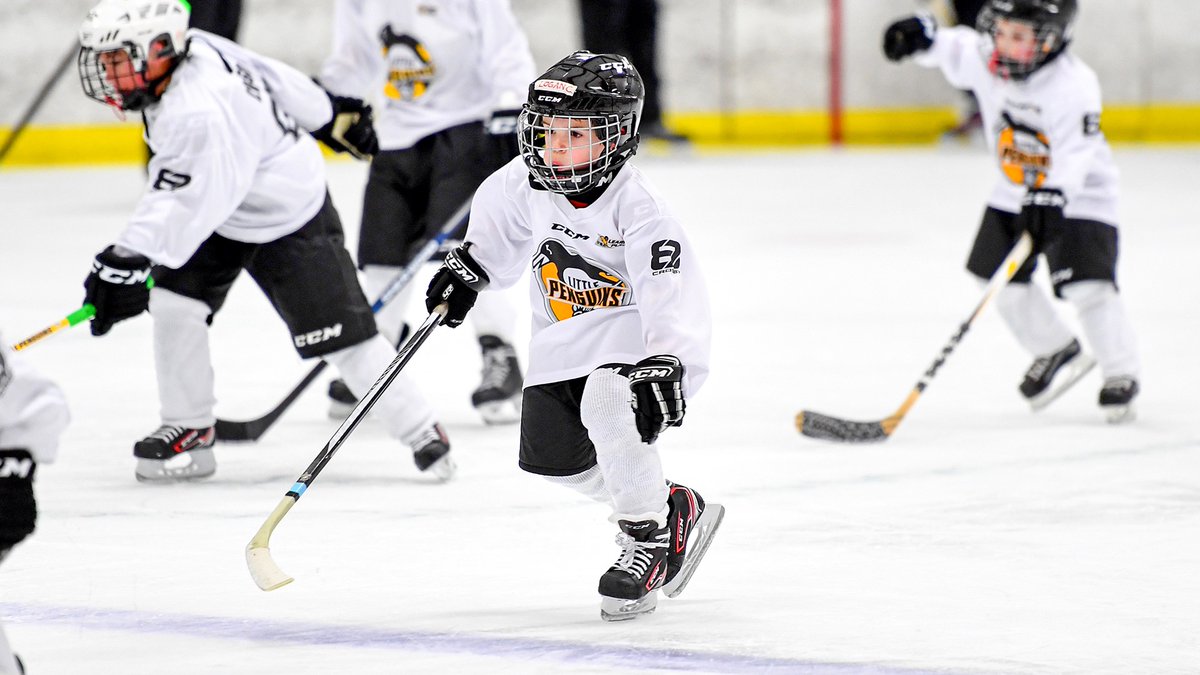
(450, 78)
(1041, 110)
(621, 322)
(630, 28)
(33, 413)
(233, 185)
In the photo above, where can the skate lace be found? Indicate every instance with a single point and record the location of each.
(496, 367)
(1118, 383)
(167, 433)
(637, 555)
(427, 436)
(1044, 363)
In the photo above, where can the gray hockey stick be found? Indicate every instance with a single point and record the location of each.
(830, 428)
(252, 430)
(262, 566)
(38, 100)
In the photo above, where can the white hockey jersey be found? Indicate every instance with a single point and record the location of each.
(428, 65)
(611, 283)
(33, 411)
(1044, 132)
(231, 154)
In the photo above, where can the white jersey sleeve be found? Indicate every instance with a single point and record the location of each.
(955, 51)
(229, 158)
(353, 67)
(1074, 129)
(499, 228)
(33, 410)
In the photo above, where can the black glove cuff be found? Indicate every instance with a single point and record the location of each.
(460, 263)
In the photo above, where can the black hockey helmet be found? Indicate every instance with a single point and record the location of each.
(1051, 21)
(580, 124)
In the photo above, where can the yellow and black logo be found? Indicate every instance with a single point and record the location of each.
(1024, 153)
(573, 285)
(410, 67)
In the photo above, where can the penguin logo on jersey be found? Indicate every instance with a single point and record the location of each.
(1024, 153)
(410, 67)
(573, 285)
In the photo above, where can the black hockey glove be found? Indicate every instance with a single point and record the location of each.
(117, 287)
(351, 128)
(18, 510)
(501, 130)
(1041, 214)
(657, 386)
(456, 283)
(909, 36)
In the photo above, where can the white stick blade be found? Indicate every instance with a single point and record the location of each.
(263, 570)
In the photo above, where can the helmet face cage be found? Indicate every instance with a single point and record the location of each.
(128, 88)
(1049, 20)
(570, 154)
(117, 41)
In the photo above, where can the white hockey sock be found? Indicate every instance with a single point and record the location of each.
(493, 314)
(590, 484)
(1106, 325)
(8, 663)
(1032, 318)
(632, 470)
(182, 361)
(403, 407)
(389, 319)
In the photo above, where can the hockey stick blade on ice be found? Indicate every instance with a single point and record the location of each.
(830, 428)
(263, 570)
(240, 431)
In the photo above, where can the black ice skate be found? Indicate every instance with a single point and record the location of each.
(431, 453)
(630, 587)
(1116, 399)
(693, 524)
(341, 401)
(1052, 375)
(172, 454)
(498, 397)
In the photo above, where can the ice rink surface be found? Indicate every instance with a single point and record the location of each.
(981, 538)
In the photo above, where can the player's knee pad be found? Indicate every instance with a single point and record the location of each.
(1087, 294)
(18, 509)
(605, 408)
(169, 306)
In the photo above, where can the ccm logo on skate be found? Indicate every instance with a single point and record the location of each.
(318, 336)
(16, 467)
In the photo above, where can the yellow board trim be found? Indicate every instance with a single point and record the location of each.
(1165, 123)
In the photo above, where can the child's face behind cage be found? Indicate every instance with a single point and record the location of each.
(572, 142)
(1015, 40)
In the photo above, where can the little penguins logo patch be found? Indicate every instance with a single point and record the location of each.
(410, 67)
(1024, 153)
(573, 285)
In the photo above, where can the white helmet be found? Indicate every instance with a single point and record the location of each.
(134, 27)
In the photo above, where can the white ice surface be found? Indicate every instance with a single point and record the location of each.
(980, 538)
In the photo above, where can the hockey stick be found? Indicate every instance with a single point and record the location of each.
(38, 100)
(252, 430)
(263, 570)
(831, 428)
(73, 319)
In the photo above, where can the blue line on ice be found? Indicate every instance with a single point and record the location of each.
(518, 648)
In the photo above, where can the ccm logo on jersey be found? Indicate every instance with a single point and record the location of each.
(318, 336)
(664, 257)
(555, 85)
(568, 231)
(171, 180)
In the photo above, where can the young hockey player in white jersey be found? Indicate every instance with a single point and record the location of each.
(450, 77)
(33, 413)
(234, 184)
(621, 324)
(1041, 114)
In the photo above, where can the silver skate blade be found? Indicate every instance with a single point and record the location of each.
(702, 536)
(1066, 378)
(618, 609)
(187, 466)
(443, 469)
(507, 411)
(1119, 414)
